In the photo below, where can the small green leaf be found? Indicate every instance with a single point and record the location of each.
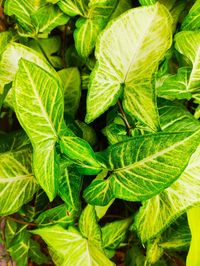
(49, 48)
(72, 89)
(185, 84)
(99, 192)
(47, 18)
(69, 187)
(68, 247)
(36, 254)
(89, 227)
(17, 183)
(123, 68)
(89, 27)
(113, 234)
(20, 248)
(40, 112)
(80, 152)
(192, 20)
(61, 214)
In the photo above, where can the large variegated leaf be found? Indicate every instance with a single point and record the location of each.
(72, 89)
(69, 247)
(160, 211)
(128, 53)
(143, 166)
(185, 84)
(17, 183)
(47, 18)
(192, 20)
(39, 106)
(9, 64)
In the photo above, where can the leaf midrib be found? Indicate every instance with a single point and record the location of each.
(152, 157)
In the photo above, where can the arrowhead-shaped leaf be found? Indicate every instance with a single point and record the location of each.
(128, 53)
(143, 166)
(69, 247)
(39, 106)
(184, 192)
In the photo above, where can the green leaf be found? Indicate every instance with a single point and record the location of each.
(89, 27)
(73, 7)
(99, 192)
(69, 247)
(89, 133)
(193, 220)
(61, 214)
(177, 237)
(72, 89)
(36, 254)
(101, 210)
(10, 231)
(69, 188)
(47, 18)
(5, 38)
(113, 234)
(185, 84)
(170, 203)
(143, 166)
(89, 227)
(22, 10)
(192, 20)
(128, 52)
(40, 112)
(122, 6)
(80, 152)
(174, 117)
(17, 183)
(20, 248)
(9, 67)
(176, 86)
(50, 49)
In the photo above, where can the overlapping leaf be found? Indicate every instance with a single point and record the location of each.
(40, 112)
(69, 247)
(143, 166)
(72, 89)
(17, 183)
(185, 84)
(128, 53)
(160, 211)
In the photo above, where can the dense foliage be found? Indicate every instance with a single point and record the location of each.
(99, 132)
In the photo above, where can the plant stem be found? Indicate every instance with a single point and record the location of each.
(124, 117)
(21, 222)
